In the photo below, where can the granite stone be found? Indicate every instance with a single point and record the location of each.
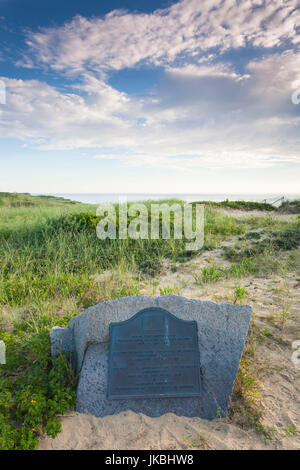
(222, 330)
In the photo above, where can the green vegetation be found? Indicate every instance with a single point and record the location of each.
(285, 239)
(252, 236)
(289, 430)
(266, 333)
(246, 401)
(200, 442)
(242, 205)
(254, 420)
(290, 207)
(169, 290)
(239, 293)
(53, 267)
(260, 265)
(208, 274)
(34, 389)
(11, 200)
(286, 207)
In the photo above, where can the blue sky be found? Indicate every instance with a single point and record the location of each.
(150, 96)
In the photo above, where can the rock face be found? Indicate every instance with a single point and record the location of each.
(222, 330)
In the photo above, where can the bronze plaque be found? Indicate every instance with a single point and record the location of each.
(153, 355)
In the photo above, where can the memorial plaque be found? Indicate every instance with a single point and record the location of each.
(153, 354)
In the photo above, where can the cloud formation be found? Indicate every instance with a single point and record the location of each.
(204, 113)
(202, 116)
(188, 28)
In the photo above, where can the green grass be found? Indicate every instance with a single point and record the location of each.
(208, 274)
(242, 205)
(285, 239)
(290, 207)
(277, 253)
(169, 290)
(50, 263)
(11, 200)
(239, 293)
(287, 207)
(53, 266)
(50, 253)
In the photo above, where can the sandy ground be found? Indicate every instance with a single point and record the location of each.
(255, 213)
(276, 325)
(169, 432)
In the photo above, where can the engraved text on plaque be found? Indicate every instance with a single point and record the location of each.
(153, 354)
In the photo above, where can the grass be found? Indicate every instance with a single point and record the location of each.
(284, 307)
(265, 333)
(208, 274)
(241, 205)
(254, 254)
(239, 293)
(290, 207)
(254, 420)
(290, 430)
(287, 207)
(200, 442)
(245, 409)
(261, 257)
(265, 264)
(53, 267)
(169, 290)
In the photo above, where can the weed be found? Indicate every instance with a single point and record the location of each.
(266, 333)
(246, 384)
(289, 430)
(253, 236)
(195, 443)
(154, 285)
(208, 274)
(254, 420)
(242, 205)
(284, 313)
(169, 290)
(239, 293)
(290, 207)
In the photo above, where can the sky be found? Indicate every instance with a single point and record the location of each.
(150, 97)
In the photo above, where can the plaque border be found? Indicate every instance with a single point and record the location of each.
(157, 396)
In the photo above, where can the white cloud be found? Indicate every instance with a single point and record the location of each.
(202, 114)
(39, 113)
(236, 157)
(189, 27)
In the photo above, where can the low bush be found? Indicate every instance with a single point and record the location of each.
(34, 389)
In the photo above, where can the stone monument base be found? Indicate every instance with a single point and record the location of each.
(92, 391)
(222, 330)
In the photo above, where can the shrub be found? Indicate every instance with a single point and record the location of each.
(34, 389)
(239, 293)
(241, 205)
(169, 290)
(290, 207)
(208, 274)
(252, 236)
